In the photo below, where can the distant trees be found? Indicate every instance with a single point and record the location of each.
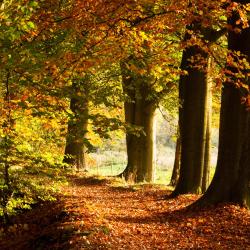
(74, 154)
(139, 112)
(145, 85)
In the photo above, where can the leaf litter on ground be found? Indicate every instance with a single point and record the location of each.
(98, 213)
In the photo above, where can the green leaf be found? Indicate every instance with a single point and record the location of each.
(31, 25)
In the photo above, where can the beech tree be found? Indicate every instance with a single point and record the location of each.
(74, 153)
(232, 175)
(139, 111)
(194, 94)
(206, 141)
(144, 81)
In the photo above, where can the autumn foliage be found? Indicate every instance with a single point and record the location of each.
(88, 71)
(102, 214)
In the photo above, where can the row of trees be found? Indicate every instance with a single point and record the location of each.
(231, 181)
(78, 59)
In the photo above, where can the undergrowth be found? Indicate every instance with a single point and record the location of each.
(30, 185)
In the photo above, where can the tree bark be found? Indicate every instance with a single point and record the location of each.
(193, 96)
(139, 111)
(147, 168)
(140, 147)
(207, 153)
(176, 168)
(232, 175)
(74, 154)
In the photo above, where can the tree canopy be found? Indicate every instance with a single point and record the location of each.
(76, 75)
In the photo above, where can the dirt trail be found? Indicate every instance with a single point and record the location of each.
(96, 215)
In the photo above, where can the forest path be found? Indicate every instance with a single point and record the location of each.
(98, 214)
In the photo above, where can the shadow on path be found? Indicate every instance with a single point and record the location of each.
(38, 229)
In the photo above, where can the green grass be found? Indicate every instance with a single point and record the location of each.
(162, 176)
(107, 170)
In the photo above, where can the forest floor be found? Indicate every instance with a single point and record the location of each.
(98, 214)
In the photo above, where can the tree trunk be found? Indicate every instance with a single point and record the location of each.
(147, 168)
(139, 112)
(140, 147)
(74, 154)
(176, 168)
(232, 175)
(207, 153)
(193, 94)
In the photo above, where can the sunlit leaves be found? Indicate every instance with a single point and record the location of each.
(104, 212)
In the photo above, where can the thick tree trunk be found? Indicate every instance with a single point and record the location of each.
(147, 169)
(193, 95)
(74, 154)
(232, 175)
(176, 168)
(241, 191)
(140, 147)
(139, 111)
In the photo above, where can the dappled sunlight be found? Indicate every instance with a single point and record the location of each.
(98, 214)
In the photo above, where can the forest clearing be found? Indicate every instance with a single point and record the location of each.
(99, 213)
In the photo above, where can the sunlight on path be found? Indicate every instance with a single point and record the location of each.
(103, 214)
(109, 217)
